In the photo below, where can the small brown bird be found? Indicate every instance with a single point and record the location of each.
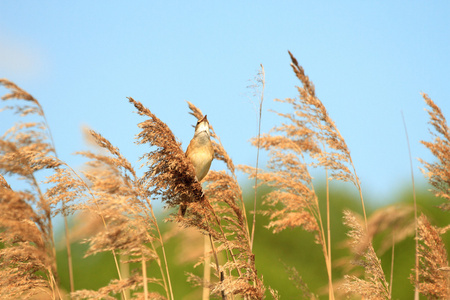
(201, 153)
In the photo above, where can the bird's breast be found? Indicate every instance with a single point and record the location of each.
(201, 156)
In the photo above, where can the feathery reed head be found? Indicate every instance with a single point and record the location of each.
(27, 262)
(122, 202)
(311, 117)
(171, 175)
(434, 270)
(374, 286)
(439, 172)
(16, 92)
(309, 131)
(28, 257)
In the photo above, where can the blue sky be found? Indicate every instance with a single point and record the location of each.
(368, 60)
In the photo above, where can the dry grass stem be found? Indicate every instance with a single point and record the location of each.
(416, 266)
(260, 81)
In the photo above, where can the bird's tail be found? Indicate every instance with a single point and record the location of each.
(182, 210)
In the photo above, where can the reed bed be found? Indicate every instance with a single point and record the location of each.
(122, 221)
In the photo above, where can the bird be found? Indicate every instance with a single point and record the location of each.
(200, 152)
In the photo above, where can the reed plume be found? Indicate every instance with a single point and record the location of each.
(301, 285)
(119, 198)
(170, 174)
(28, 256)
(308, 131)
(394, 223)
(438, 172)
(309, 138)
(434, 270)
(374, 286)
(27, 264)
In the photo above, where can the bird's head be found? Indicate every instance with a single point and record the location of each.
(202, 126)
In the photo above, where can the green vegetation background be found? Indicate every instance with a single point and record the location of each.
(273, 252)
